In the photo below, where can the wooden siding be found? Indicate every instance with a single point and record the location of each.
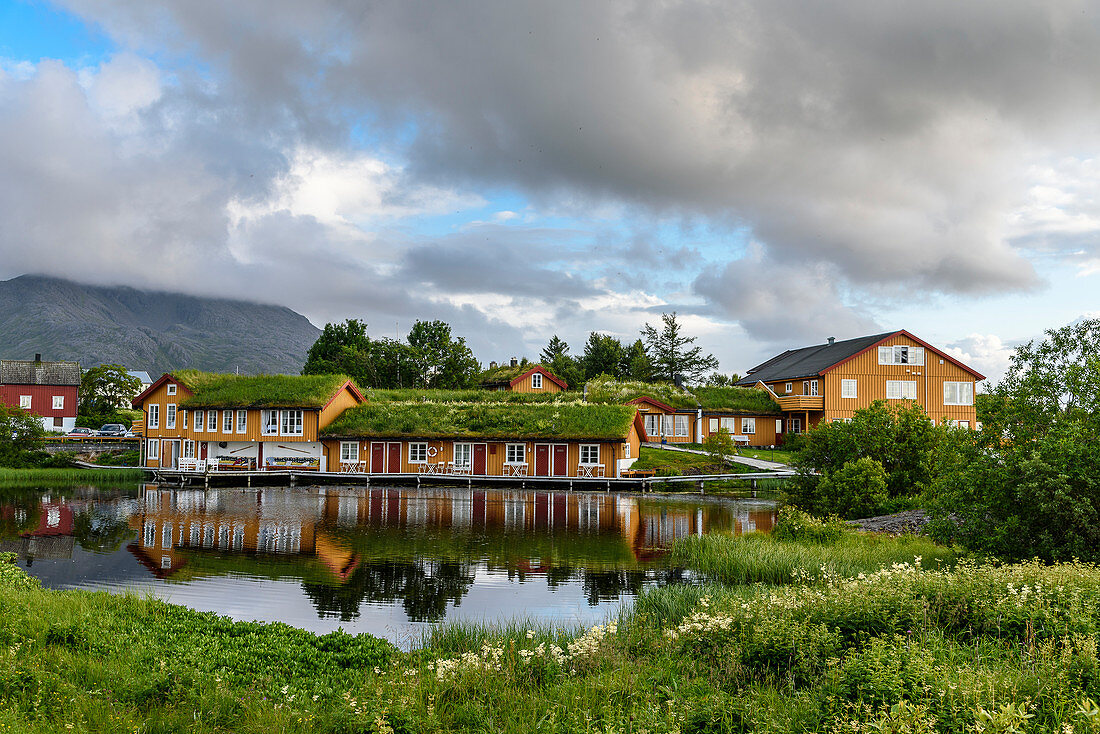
(871, 380)
(344, 400)
(42, 399)
(524, 385)
(765, 435)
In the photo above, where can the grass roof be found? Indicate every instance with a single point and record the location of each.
(412, 395)
(716, 399)
(484, 420)
(507, 373)
(213, 390)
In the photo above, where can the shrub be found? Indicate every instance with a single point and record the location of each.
(857, 489)
(794, 524)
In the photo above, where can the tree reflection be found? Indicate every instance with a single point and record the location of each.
(101, 532)
(424, 588)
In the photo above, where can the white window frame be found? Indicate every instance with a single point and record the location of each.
(813, 388)
(587, 457)
(25, 402)
(789, 388)
(418, 452)
(154, 415)
(211, 421)
(349, 452)
(778, 426)
(901, 389)
(901, 354)
(955, 390)
(515, 453)
(200, 421)
(183, 419)
(712, 425)
(682, 425)
(668, 425)
(59, 402)
(170, 415)
(152, 449)
(748, 426)
(626, 450)
(849, 388)
(730, 424)
(227, 421)
(536, 381)
(171, 388)
(794, 425)
(269, 422)
(652, 424)
(463, 455)
(242, 421)
(187, 449)
(292, 422)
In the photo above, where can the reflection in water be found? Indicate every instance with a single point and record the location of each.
(356, 550)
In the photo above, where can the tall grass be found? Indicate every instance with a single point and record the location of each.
(69, 476)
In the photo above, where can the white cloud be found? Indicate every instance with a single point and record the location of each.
(987, 353)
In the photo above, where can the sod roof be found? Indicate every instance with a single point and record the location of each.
(211, 390)
(576, 421)
(412, 395)
(507, 373)
(739, 400)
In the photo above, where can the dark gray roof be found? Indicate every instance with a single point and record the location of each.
(25, 372)
(808, 361)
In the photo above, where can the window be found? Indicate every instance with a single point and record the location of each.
(590, 453)
(152, 449)
(901, 389)
(813, 387)
(171, 389)
(626, 451)
(199, 418)
(515, 453)
(714, 425)
(418, 453)
(349, 452)
(463, 454)
(788, 389)
(154, 416)
(794, 425)
(729, 425)
(682, 425)
(292, 423)
(667, 428)
(269, 420)
(805, 387)
(187, 449)
(25, 402)
(901, 355)
(227, 421)
(958, 393)
(778, 426)
(170, 416)
(536, 381)
(212, 421)
(183, 419)
(748, 425)
(242, 421)
(848, 389)
(58, 402)
(652, 425)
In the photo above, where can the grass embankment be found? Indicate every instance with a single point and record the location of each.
(664, 463)
(968, 649)
(69, 476)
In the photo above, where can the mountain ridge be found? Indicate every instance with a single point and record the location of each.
(156, 331)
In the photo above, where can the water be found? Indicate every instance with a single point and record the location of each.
(387, 561)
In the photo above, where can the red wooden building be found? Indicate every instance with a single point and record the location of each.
(46, 389)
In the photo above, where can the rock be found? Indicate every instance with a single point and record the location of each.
(909, 521)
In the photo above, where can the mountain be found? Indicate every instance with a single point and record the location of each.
(148, 330)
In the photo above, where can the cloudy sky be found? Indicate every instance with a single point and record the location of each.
(777, 172)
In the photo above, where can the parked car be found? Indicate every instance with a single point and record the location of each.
(80, 433)
(112, 429)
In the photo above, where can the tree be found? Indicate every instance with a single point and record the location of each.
(673, 357)
(439, 360)
(19, 434)
(1028, 483)
(555, 357)
(717, 379)
(345, 349)
(106, 388)
(719, 446)
(636, 363)
(555, 349)
(603, 355)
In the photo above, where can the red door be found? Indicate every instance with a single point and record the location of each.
(479, 459)
(202, 450)
(377, 458)
(542, 460)
(393, 465)
(561, 460)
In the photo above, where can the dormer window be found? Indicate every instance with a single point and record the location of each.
(536, 381)
(171, 388)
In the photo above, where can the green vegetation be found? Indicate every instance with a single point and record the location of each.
(240, 391)
(664, 463)
(409, 395)
(131, 457)
(506, 373)
(105, 395)
(1028, 483)
(484, 420)
(801, 549)
(68, 476)
(718, 399)
(781, 456)
(736, 400)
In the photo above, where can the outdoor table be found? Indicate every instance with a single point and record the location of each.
(515, 470)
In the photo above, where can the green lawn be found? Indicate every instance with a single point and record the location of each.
(677, 463)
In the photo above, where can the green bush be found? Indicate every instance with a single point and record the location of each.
(794, 524)
(857, 489)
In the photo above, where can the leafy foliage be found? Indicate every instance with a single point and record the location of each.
(19, 435)
(673, 357)
(719, 446)
(103, 390)
(603, 355)
(857, 489)
(439, 360)
(717, 399)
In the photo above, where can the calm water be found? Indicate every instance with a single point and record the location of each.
(387, 561)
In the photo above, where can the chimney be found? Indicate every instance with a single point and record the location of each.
(37, 357)
(515, 362)
(831, 340)
(492, 365)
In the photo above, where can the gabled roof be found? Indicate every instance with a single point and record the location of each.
(512, 376)
(209, 390)
(815, 361)
(655, 403)
(29, 372)
(141, 375)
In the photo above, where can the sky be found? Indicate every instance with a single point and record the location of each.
(776, 172)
